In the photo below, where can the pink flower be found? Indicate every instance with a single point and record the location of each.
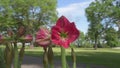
(64, 32)
(28, 38)
(43, 37)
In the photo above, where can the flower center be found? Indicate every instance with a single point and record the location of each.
(63, 34)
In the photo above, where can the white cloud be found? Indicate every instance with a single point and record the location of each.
(76, 12)
(73, 10)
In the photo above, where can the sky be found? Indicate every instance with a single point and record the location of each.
(74, 11)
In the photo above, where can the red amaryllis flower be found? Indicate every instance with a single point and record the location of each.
(43, 37)
(64, 32)
(28, 38)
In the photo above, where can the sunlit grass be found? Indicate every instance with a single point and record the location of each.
(105, 56)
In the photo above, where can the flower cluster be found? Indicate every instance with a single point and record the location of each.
(62, 34)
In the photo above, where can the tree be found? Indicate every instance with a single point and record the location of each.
(102, 15)
(31, 14)
(81, 40)
(111, 37)
(95, 27)
(28, 13)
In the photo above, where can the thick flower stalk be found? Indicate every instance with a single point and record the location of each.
(45, 58)
(50, 57)
(21, 54)
(27, 38)
(43, 39)
(12, 38)
(8, 52)
(73, 57)
(16, 57)
(2, 58)
(8, 55)
(64, 33)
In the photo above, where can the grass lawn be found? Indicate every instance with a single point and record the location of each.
(106, 57)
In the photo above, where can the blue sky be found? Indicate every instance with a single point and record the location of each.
(74, 10)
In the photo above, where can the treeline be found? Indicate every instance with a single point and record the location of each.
(104, 24)
(28, 13)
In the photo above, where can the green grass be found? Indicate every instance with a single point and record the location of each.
(106, 57)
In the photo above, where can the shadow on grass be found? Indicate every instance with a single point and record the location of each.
(107, 59)
(35, 58)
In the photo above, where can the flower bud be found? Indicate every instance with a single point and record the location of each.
(43, 37)
(28, 38)
(1, 39)
(21, 30)
(10, 32)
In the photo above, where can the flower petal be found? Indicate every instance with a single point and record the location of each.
(55, 33)
(28, 38)
(55, 37)
(62, 22)
(43, 37)
(73, 33)
(64, 43)
(43, 43)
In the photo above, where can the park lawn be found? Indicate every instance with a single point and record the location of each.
(105, 56)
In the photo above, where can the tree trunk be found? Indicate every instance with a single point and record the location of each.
(96, 37)
(95, 45)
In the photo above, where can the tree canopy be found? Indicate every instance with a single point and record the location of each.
(29, 13)
(103, 16)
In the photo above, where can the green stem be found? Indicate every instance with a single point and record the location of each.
(50, 57)
(8, 66)
(8, 55)
(21, 54)
(67, 65)
(51, 65)
(73, 57)
(74, 64)
(15, 55)
(63, 57)
(45, 58)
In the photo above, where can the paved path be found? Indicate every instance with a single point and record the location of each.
(36, 62)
